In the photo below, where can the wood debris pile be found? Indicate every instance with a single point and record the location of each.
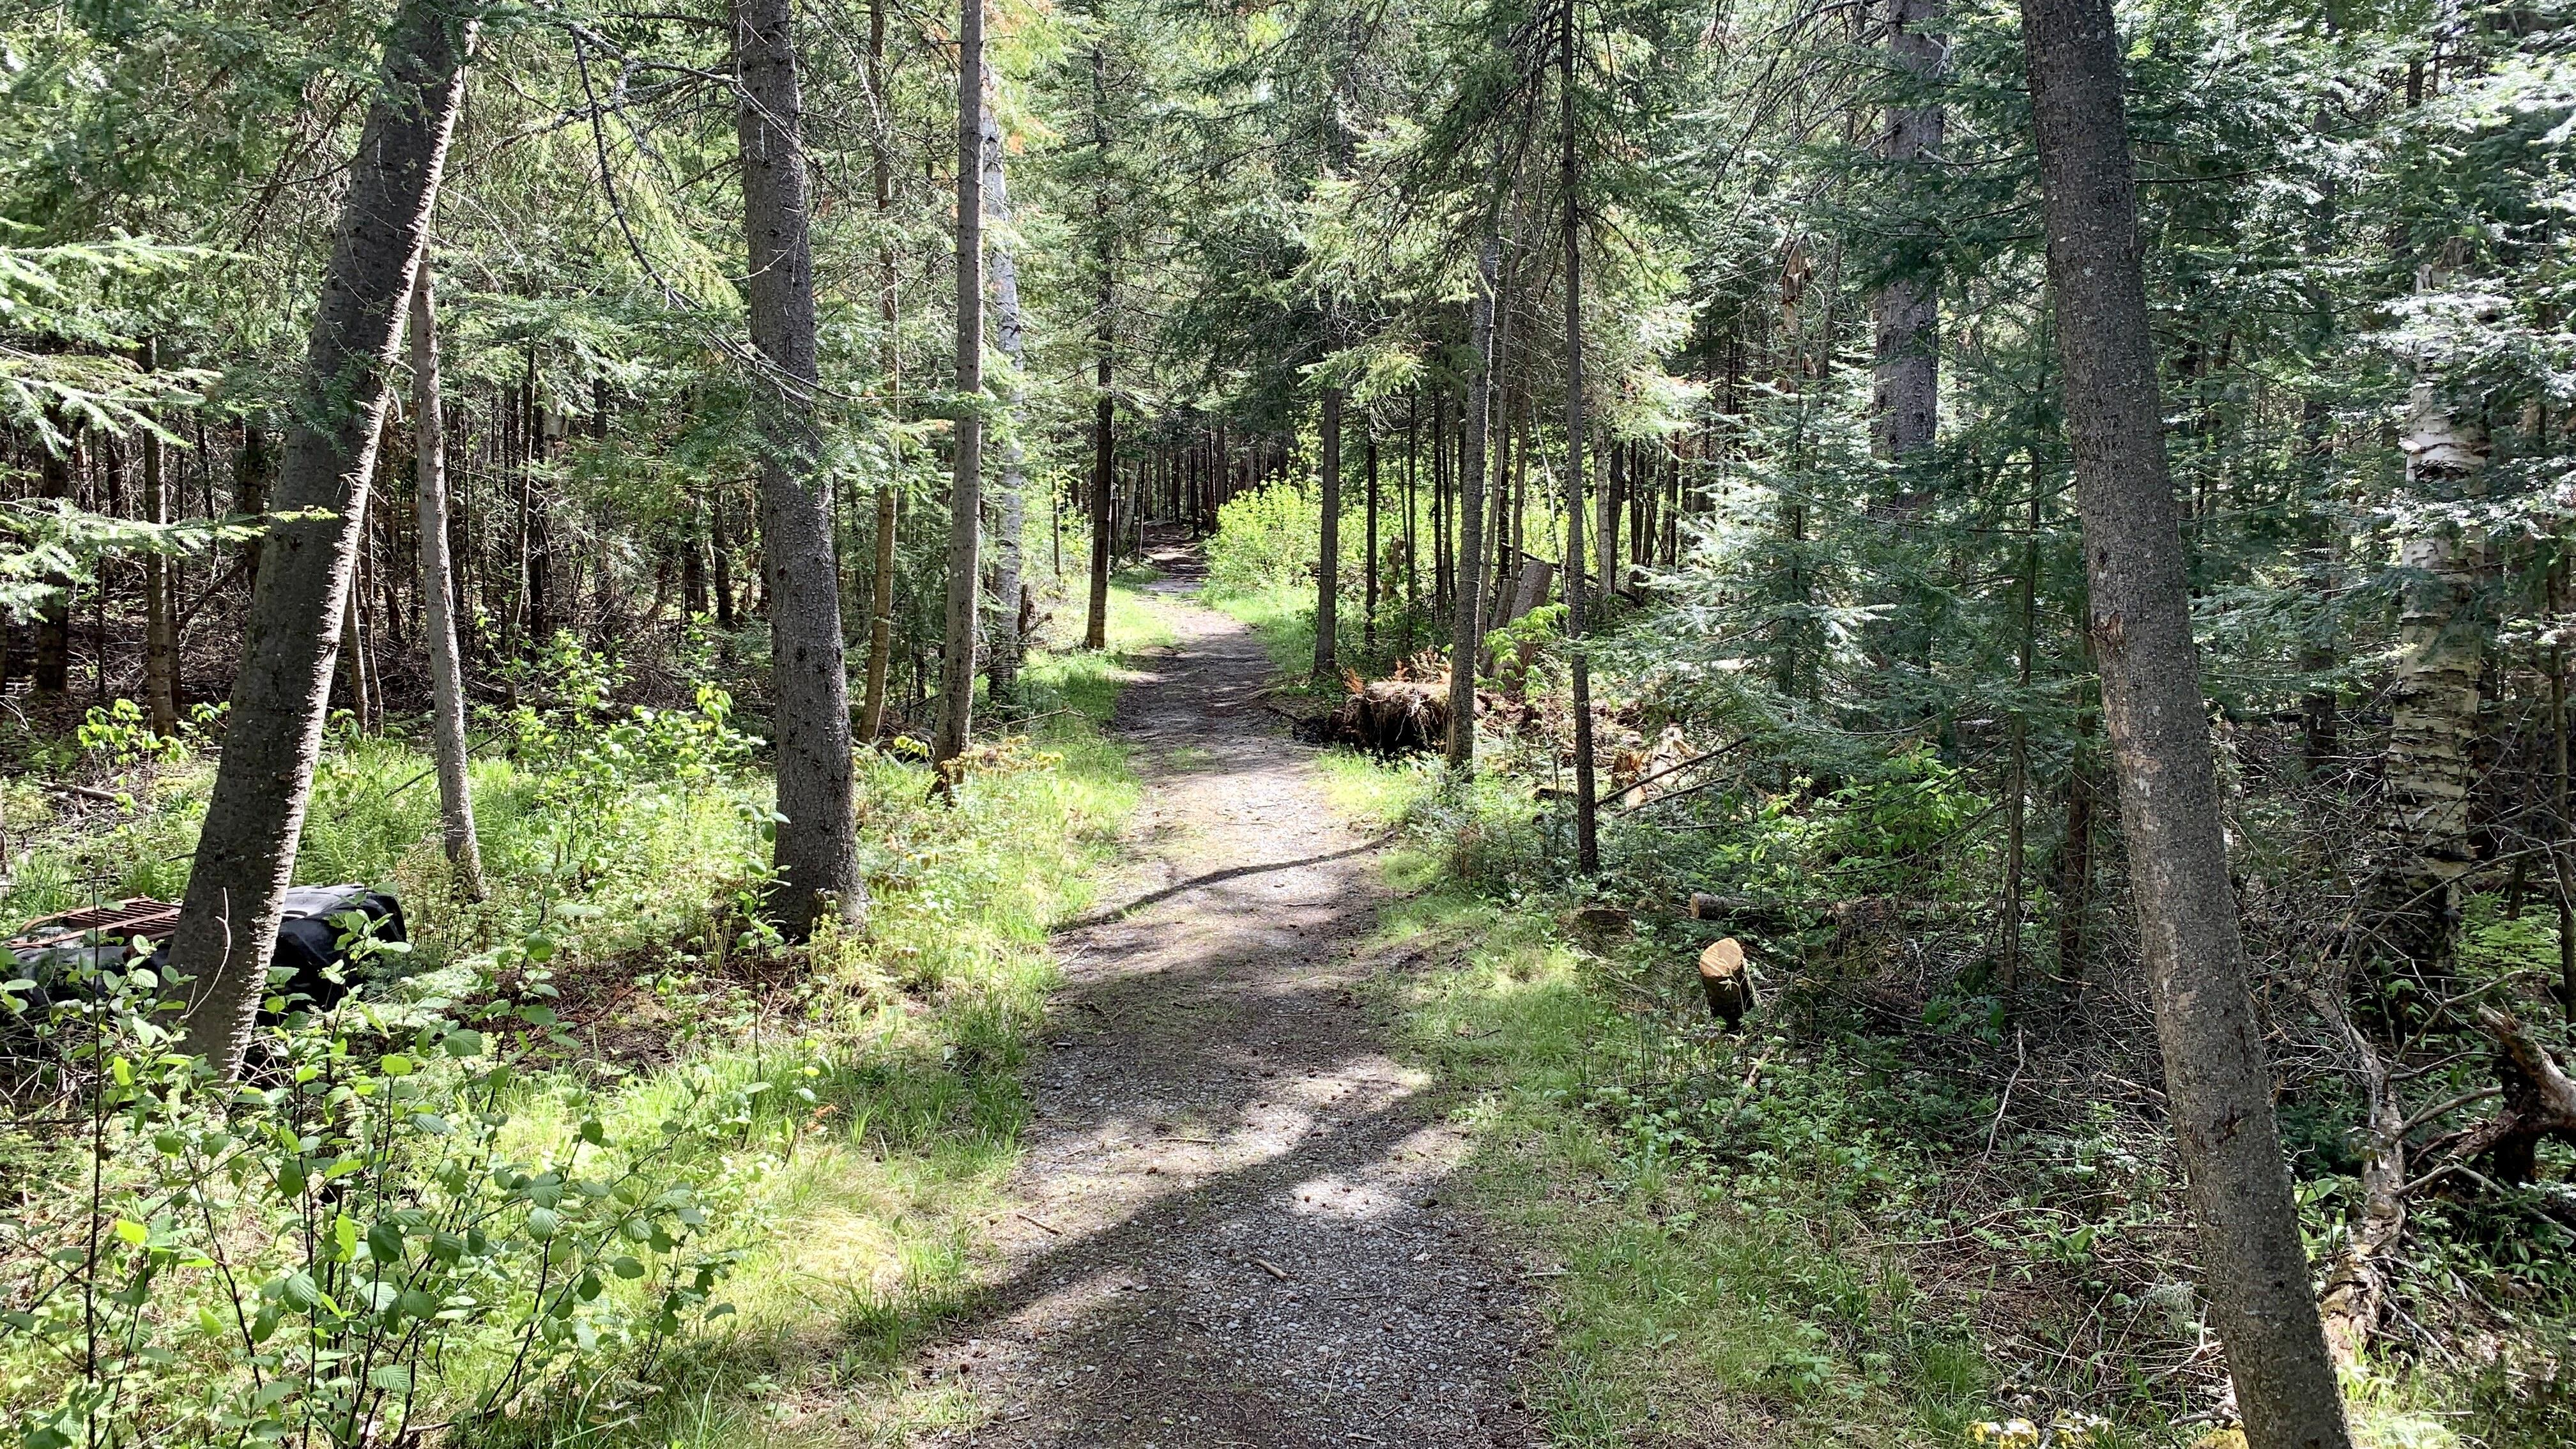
(1387, 717)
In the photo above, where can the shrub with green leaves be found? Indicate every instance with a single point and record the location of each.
(1265, 539)
(297, 1256)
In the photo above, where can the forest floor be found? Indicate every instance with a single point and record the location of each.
(1238, 1218)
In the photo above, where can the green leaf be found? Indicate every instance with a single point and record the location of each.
(301, 1291)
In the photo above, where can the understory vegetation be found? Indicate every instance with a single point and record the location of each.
(1897, 1204)
(598, 1159)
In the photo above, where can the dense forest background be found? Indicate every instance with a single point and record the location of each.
(1736, 317)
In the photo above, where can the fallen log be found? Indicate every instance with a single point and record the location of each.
(2356, 1285)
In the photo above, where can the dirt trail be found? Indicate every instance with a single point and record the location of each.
(1236, 1223)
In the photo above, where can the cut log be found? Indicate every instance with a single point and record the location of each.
(1707, 907)
(1726, 983)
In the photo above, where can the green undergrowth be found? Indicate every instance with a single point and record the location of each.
(836, 1118)
(1787, 1236)
(1834, 1227)
(1688, 1310)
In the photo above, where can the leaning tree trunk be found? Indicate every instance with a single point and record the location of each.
(1004, 670)
(1328, 549)
(1906, 378)
(2433, 730)
(246, 850)
(2253, 1265)
(817, 847)
(1468, 590)
(437, 595)
(965, 497)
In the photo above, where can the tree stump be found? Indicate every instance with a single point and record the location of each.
(1726, 983)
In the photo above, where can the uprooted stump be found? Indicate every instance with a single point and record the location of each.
(1387, 717)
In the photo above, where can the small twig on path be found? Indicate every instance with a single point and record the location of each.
(1274, 1270)
(1033, 1222)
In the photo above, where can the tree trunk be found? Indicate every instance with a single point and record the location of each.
(2253, 1266)
(817, 845)
(1007, 643)
(1468, 590)
(2432, 737)
(1440, 525)
(1587, 805)
(438, 622)
(53, 666)
(1368, 556)
(252, 472)
(2562, 867)
(1095, 629)
(1906, 380)
(1328, 542)
(246, 850)
(889, 503)
(352, 687)
(720, 559)
(1104, 488)
(2017, 805)
(965, 498)
(1613, 485)
(160, 611)
(1412, 563)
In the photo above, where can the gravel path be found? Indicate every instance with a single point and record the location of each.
(1235, 1223)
